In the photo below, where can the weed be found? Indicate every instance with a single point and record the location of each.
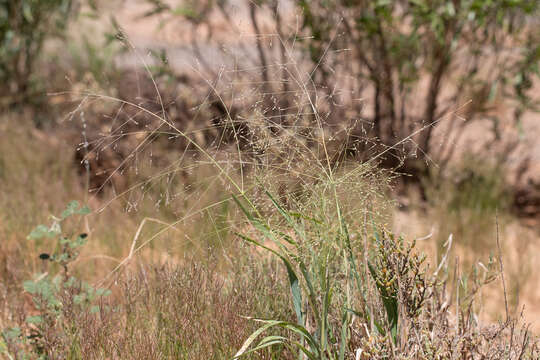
(54, 297)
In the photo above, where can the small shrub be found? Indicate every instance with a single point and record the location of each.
(55, 298)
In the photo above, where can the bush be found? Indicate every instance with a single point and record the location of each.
(24, 27)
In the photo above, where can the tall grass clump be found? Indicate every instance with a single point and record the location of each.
(360, 291)
(355, 289)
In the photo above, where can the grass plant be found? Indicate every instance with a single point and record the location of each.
(264, 243)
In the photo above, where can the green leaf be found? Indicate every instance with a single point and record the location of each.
(85, 210)
(302, 216)
(252, 338)
(312, 296)
(450, 9)
(73, 209)
(296, 293)
(42, 231)
(314, 353)
(71, 282)
(293, 279)
(79, 299)
(30, 287)
(324, 319)
(34, 319)
(186, 11)
(344, 330)
(103, 292)
(267, 342)
(382, 3)
(11, 333)
(27, 11)
(79, 241)
(287, 217)
(390, 304)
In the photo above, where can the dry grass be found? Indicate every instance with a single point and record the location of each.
(192, 303)
(172, 312)
(172, 244)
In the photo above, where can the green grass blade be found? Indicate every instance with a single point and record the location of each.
(294, 283)
(293, 278)
(350, 255)
(253, 336)
(265, 343)
(301, 331)
(324, 319)
(302, 348)
(312, 296)
(287, 217)
(390, 304)
(344, 327)
(296, 293)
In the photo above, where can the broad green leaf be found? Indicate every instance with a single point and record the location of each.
(30, 287)
(42, 231)
(73, 209)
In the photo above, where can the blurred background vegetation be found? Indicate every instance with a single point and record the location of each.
(155, 112)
